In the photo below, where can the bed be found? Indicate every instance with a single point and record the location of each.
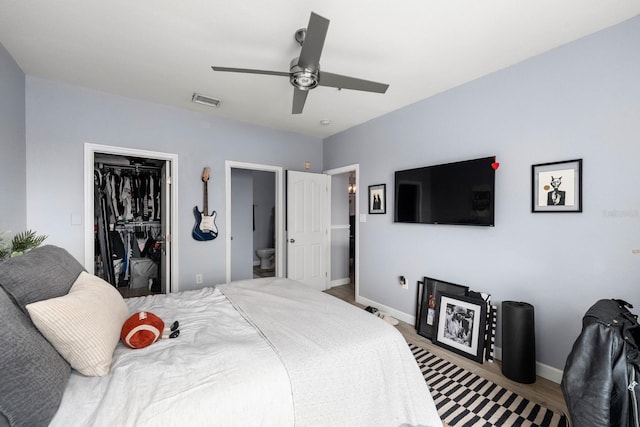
(267, 352)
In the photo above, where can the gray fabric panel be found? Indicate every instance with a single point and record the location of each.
(43, 273)
(33, 374)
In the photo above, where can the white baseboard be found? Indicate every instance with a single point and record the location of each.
(388, 310)
(545, 371)
(339, 282)
(549, 372)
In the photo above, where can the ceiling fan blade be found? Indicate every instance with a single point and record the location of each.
(250, 71)
(313, 42)
(346, 82)
(299, 98)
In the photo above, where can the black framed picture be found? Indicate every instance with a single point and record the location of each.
(427, 305)
(378, 199)
(460, 325)
(557, 186)
(419, 295)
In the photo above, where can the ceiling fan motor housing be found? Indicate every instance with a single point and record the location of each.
(302, 78)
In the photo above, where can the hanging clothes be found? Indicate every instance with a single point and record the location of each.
(127, 208)
(133, 196)
(125, 197)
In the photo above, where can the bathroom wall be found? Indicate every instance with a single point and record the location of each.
(241, 224)
(339, 229)
(264, 197)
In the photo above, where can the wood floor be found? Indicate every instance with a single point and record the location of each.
(543, 391)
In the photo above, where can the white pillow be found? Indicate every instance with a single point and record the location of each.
(84, 325)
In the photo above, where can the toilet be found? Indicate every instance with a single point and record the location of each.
(267, 258)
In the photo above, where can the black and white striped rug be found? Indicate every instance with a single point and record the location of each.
(464, 399)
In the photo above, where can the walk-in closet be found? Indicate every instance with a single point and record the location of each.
(128, 226)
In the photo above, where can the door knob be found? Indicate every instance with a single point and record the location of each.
(292, 240)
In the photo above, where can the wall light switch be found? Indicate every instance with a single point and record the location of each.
(76, 219)
(363, 218)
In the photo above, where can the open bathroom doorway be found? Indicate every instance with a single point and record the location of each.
(254, 221)
(345, 231)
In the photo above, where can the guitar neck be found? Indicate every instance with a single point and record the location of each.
(205, 199)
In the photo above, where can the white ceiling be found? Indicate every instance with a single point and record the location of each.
(162, 50)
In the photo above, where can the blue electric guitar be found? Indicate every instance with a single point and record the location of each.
(205, 228)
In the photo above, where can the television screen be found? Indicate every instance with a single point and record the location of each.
(453, 193)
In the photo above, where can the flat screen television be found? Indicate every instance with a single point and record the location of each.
(460, 193)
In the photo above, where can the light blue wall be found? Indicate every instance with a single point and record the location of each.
(60, 118)
(578, 101)
(13, 203)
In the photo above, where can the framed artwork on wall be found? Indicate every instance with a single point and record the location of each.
(378, 199)
(427, 307)
(461, 324)
(557, 186)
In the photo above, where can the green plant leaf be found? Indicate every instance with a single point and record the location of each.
(26, 240)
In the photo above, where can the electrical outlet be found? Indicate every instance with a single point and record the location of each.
(199, 278)
(403, 283)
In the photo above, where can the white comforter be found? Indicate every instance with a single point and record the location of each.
(266, 352)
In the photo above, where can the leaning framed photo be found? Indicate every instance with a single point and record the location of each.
(378, 199)
(427, 306)
(557, 186)
(461, 324)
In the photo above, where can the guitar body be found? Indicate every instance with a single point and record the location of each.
(205, 227)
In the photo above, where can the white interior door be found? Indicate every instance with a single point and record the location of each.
(308, 208)
(165, 215)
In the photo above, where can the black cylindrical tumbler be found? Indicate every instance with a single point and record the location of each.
(518, 342)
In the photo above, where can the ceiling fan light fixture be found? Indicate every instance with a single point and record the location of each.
(205, 100)
(303, 78)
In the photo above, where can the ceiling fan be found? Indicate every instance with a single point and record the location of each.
(304, 72)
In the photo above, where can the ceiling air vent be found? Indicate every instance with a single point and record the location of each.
(205, 100)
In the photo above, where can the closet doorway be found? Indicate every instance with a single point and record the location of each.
(130, 199)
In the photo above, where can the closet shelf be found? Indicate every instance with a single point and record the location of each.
(132, 224)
